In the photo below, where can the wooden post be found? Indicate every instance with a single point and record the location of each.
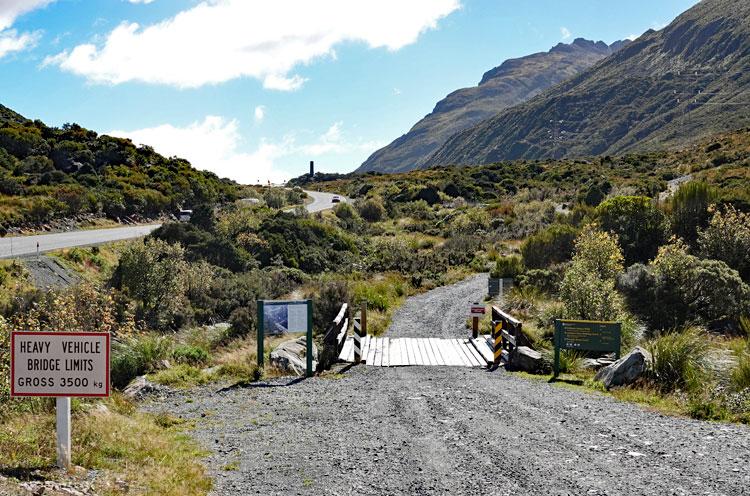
(63, 432)
(261, 333)
(475, 327)
(364, 319)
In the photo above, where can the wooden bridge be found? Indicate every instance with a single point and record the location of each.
(475, 351)
(401, 352)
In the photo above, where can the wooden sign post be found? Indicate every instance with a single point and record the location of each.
(60, 365)
(475, 311)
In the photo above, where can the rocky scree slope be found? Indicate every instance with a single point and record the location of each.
(513, 82)
(667, 88)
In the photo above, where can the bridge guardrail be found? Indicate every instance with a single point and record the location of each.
(507, 334)
(334, 339)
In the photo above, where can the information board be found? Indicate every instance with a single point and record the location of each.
(283, 317)
(586, 335)
(59, 364)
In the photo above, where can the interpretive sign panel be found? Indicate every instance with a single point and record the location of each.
(586, 335)
(477, 310)
(285, 316)
(59, 364)
(280, 317)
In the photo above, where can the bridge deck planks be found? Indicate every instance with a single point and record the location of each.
(401, 352)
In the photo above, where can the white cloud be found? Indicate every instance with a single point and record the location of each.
(219, 40)
(10, 39)
(260, 113)
(214, 144)
(565, 33)
(141, 1)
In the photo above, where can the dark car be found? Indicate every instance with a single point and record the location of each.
(335, 199)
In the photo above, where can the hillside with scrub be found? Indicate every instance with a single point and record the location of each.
(49, 173)
(610, 238)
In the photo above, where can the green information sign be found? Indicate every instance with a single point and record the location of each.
(586, 335)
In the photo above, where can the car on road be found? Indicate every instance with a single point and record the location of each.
(335, 199)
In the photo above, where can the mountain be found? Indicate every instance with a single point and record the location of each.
(670, 87)
(513, 82)
(49, 173)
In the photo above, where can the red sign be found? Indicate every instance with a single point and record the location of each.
(59, 364)
(477, 310)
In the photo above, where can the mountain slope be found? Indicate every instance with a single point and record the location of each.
(670, 87)
(514, 81)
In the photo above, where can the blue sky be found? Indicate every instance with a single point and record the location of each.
(255, 89)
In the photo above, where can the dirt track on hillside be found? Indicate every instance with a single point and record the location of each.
(440, 430)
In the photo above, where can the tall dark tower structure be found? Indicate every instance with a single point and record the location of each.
(312, 169)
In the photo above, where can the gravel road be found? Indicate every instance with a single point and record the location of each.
(447, 430)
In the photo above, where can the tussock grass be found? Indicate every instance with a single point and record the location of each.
(679, 360)
(151, 456)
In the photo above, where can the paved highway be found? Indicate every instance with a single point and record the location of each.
(321, 201)
(27, 245)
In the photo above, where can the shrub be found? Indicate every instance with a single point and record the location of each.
(690, 209)
(552, 246)
(154, 273)
(727, 238)
(242, 321)
(507, 267)
(345, 211)
(640, 227)
(677, 288)
(328, 303)
(372, 209)
(679, 359)
(137, 355)
(191, 355)
(547, 281)
(274, 198)
(588, 286)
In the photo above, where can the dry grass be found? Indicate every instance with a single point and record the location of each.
(150, 454)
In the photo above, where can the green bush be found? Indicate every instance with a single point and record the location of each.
(372, 209)
(640, 227)
(507, 267)
(727, 238)
(191, 355)
(679, 360)
(136, 356)
(588, 286)
(678, 288)
(547, 281)
(554, 245)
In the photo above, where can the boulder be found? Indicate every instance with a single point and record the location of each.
(140, 387)
(596, 363)
(525, 359)
(626, 370)
(291, 356)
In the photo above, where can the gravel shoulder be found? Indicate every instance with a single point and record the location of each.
(447, 430)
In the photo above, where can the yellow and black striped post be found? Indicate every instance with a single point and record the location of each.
(497, 335)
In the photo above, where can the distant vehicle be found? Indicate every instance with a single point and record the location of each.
(335, 199)
(185, 215)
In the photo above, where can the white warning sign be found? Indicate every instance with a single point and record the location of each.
(59, 364)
